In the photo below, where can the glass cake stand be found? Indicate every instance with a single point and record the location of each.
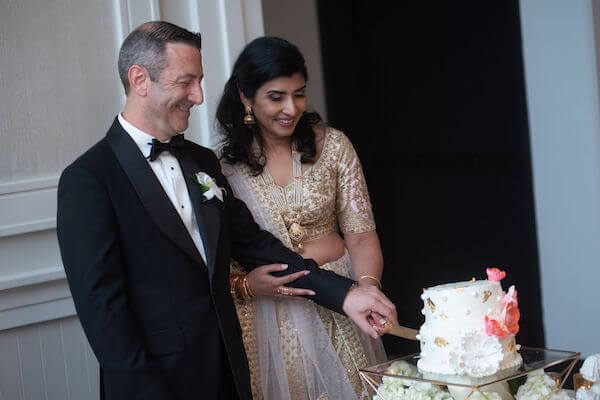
(533, 359)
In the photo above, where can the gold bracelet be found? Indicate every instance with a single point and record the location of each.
(241, 289)
(233, 286)
(247, 289)
(372, 278)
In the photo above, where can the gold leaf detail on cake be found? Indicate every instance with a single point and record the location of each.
(431, 305)
(441, 342)
(486, 295)
(443, 316)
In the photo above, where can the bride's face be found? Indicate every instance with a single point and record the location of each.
(279, 104)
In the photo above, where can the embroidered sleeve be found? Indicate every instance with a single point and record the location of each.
(353, 206)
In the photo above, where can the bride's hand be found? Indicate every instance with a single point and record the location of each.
(262, 283)
(376, 320)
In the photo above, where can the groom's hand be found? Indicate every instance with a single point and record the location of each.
(361, 302)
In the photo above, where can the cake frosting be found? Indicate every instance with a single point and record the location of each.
(470, 327)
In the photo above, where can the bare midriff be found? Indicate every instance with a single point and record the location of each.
(324, 249)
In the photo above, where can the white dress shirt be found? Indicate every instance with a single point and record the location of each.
(167, 170)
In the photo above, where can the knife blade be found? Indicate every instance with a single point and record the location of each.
(402, 331)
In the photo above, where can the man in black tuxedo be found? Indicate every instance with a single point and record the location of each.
(147, 252)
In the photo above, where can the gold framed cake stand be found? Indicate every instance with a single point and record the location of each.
(533, 359)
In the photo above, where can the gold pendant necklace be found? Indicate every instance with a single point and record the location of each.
(290, 208)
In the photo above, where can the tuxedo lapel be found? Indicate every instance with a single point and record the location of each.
(150, 191)
(208, 212)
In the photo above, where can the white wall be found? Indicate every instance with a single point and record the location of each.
(561, 73)
(297, 22)
(59, 92)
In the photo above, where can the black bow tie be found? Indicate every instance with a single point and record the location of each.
(174, 147)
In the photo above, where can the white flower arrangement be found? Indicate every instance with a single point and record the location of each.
(393, 389)
(590, 372)
(404, 389)
(540, 386)
(208, 186)
(592, 393)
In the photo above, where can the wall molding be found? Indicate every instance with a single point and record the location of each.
(28, 278)
(26, 185)
(30, 210)
(31, 204)
(33, 297)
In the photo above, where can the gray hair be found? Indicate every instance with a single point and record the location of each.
(145, 46)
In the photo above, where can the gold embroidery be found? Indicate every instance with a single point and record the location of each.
(289, 201)
(431, 305)
(353, 205)
(486, 296)
(246, 312)
(342, 334)
(333, 186)
(344, 337)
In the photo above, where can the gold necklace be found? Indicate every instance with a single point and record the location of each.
(290, 207)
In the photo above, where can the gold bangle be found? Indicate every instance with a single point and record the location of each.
(234, 288)
(372, 278)
(232, 279)
(241, 289)
(247, 289)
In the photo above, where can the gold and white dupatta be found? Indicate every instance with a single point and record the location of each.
(297, 349)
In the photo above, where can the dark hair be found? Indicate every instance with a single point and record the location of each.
(145, 46)
(262, 60)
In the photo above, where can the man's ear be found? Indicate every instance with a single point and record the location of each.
(138, 79)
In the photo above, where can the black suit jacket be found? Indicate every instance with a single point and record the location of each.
(160, 321)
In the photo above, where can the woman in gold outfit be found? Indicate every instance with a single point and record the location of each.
(303, 182)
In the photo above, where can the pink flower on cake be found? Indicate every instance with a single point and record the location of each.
(508, 321)
(495, 274)
(510, 312)
(493, 328)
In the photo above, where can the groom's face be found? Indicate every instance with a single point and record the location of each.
(177, 90)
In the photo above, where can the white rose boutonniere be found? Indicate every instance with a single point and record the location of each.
(208, 187)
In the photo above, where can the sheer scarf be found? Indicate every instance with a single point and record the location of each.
(279, 322)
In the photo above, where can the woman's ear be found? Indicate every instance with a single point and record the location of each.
(245, 101)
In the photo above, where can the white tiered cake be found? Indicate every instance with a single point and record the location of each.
(470, 327)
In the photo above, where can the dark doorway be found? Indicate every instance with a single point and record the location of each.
(432, 95)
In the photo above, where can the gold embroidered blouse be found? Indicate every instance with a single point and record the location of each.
(332, 192)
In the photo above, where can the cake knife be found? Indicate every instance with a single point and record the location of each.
(402, 331)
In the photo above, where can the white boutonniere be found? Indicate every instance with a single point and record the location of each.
(208, 187)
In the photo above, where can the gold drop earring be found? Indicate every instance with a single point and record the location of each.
(249, 117)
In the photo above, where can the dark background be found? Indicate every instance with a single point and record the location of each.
(432, 95)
